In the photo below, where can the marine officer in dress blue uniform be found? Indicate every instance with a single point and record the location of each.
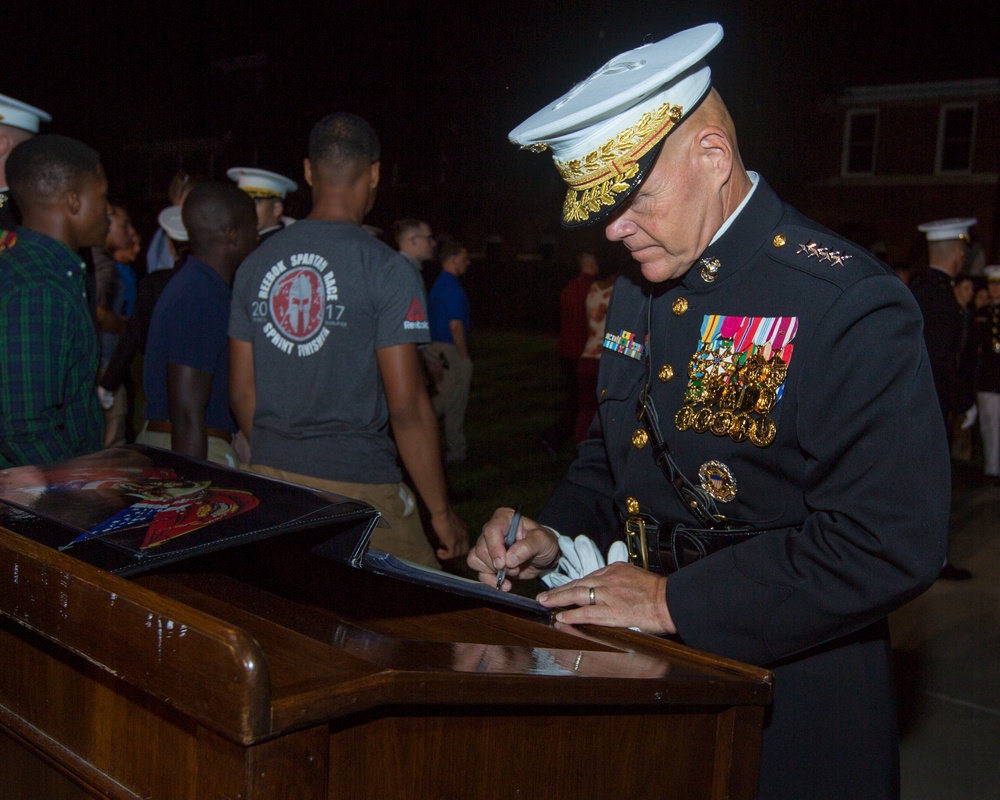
(18, 122)
(269, 190)
(768, 471)
(947, 246)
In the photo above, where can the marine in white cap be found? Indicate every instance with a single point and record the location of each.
(767, 472)
(18, 122)
(948, 243)
(171, 222)
(269, 190)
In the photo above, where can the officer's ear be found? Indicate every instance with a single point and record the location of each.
(307, 172)
(714, 153)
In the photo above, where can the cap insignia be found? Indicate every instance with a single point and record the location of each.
(813, 250)
(709, 269)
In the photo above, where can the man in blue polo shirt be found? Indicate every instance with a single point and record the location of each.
(187, 351)
(448, 313)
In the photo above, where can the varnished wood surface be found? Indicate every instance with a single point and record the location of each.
(157, 645)
(266, 672)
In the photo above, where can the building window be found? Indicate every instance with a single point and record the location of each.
(956, 136)
(860, 138)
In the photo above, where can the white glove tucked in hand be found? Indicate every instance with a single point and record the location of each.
(580, 557)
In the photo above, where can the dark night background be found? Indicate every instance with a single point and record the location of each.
(155, 86)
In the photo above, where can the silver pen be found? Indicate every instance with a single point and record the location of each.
(508, 541)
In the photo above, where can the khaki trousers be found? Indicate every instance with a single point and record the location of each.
(404, 538)
(452, 399)
(219, 450)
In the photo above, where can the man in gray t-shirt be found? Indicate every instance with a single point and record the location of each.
(323, 331)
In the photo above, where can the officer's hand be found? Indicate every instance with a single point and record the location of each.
(624, 596)
(452, 534)
(534, 550)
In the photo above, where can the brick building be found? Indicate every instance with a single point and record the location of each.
(891, 157)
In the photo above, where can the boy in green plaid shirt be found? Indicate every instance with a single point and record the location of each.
(49, 409)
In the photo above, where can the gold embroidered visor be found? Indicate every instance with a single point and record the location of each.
(258, 193)
(261, 183)
(603, 179)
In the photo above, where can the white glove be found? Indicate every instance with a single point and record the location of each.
(970, 417)
(580, 557)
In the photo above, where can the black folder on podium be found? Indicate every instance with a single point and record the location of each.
(132, 509)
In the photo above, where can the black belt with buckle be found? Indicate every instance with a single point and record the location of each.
(665, 550)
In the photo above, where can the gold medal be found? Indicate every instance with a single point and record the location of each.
(722, 421)
(740, 430)
(748, 398)
(728, 397)
(765, 401)
(763, 431)
(709, 390)
(778, 372)
(684, 418)
(703, 419)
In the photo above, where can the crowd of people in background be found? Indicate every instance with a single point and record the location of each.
(304, 349)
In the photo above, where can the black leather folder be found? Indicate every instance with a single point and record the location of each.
(132, 509)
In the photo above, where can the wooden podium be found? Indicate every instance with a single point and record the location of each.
(268, 672)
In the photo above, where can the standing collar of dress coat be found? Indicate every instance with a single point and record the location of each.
(742, 235)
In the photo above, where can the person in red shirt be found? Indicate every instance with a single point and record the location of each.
(572, 338)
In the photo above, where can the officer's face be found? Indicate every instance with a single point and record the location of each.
(670, 219)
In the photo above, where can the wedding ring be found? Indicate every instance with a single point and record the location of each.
(592, 595)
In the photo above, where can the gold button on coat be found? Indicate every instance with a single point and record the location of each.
(640, 437)
(680, 306)
(632, 505)
(666, 373)
(780, 240)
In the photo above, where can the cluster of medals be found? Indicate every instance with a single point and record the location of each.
(731, 393)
